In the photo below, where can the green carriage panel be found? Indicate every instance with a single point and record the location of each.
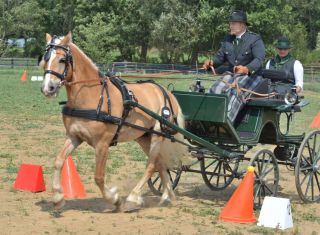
(202, 106)
(249, 121)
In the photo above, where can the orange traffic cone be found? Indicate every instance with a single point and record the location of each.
(24, 76)
(30, 178)
(315, 122)
(70, 181)
(239, 208)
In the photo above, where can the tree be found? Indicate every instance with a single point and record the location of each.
(96, 39)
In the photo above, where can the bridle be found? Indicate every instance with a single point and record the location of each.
(67, 60)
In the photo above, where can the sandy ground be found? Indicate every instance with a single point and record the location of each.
(195, 211)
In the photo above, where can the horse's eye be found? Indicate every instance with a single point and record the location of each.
(63, 60)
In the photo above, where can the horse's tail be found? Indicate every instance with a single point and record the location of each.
(174, 154)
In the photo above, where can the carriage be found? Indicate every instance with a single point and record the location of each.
(219, 145)
(103, 110)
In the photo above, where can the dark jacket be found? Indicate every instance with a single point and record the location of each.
(249, 52)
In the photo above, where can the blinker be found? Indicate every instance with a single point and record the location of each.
(47, 54)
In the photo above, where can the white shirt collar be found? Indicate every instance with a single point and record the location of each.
(239, 36)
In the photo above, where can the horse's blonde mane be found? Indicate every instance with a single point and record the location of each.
(82, 55)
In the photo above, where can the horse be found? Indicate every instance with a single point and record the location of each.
(66, 65)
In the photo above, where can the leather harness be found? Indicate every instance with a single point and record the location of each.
(97, 114)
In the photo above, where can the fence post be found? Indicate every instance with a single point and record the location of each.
(12, 63)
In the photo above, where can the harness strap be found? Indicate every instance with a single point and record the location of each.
(166, 99)
(126, 109)
(91, 114)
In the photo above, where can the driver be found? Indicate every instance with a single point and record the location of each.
(284, 61)
(241, 51)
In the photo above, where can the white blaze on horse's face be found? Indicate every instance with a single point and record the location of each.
(51, 83)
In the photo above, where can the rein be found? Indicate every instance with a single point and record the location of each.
(235, 85)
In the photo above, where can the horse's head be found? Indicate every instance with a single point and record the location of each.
(57, 64)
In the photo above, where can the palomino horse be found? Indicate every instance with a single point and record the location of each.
(65, 64)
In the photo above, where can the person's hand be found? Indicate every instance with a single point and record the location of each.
(298, 89)
(240, 69)
(207, 65)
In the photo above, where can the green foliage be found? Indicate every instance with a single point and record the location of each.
(96, 39)
(180, 30)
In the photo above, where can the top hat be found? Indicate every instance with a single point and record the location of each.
(238, 16)
(283, 43)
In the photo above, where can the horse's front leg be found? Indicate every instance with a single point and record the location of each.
(111, 195)
(68, 147)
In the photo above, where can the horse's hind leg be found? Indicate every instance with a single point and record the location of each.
(111, 196)
(134, 200)
(168, 194)
(68, 147)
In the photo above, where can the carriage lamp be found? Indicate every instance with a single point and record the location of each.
(291, 98)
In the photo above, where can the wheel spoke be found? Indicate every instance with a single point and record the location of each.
(257, 191)
(228, 167)
(224, 172)
(266, 166)
(305, 159)
(160, 185)
(304, 178)
(218, 178)
(268, 189)
(269, 170)
(308, 185)
(310, 152)
(211, 164)
(156, 179)
(312, 189)
(171, 180)
(317, 180)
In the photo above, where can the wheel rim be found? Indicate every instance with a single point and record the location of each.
(307, 170)
(266, 174)
(155, 183)
(218, 173)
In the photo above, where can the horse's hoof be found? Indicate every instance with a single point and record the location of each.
(166, 202)
(118, 206)
(130, 207)
(59, 205)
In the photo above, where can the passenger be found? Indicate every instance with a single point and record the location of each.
(241, 51)
(284, 61)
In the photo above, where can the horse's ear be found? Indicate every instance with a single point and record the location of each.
(48, 38)
(68, 38)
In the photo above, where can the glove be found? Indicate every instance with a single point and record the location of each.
(207, 64)
(241, 69)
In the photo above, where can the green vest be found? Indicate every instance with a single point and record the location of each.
(284, 64)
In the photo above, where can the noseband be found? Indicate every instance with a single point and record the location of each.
(66, 60)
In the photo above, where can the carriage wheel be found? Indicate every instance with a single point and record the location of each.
(266, 172)
(307, 170)
(155, 183)
(218, 173)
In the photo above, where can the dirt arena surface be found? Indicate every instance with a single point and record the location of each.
(36, 141)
